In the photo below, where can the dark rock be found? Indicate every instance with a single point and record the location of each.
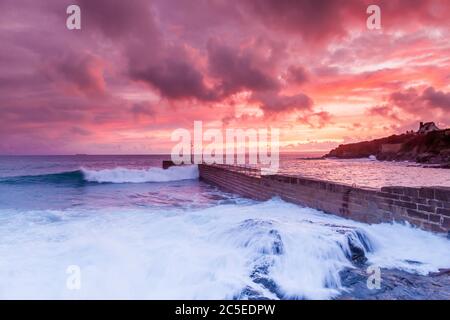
(430, 148)
(277, 246)
(250, 294)
(396, 285)
(358, 255)
(358, 244)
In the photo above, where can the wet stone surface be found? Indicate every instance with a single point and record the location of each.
(396, 285)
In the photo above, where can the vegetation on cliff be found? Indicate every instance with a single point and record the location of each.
(431, 148)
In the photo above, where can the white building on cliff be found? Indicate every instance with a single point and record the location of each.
(427, 127)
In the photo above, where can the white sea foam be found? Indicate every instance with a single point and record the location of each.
(124, 175)
(205, 254)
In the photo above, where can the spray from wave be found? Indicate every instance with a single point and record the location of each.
(115, 175)
(272, 250)
(124, 175)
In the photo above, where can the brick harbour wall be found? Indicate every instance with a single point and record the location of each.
(427, 207)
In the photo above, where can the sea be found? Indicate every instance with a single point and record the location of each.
(121, 227)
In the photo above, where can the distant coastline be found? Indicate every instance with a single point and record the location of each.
(428, 148)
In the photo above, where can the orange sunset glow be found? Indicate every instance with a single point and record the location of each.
(138, 70)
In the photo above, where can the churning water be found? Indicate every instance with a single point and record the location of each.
(137, 231)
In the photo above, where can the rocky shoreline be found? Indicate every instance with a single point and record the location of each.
(396, 284)
(432, 148)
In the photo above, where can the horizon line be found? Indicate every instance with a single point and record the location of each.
(130, 154)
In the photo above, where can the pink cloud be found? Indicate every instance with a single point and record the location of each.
(139, 69)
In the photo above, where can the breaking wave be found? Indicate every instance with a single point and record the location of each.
(269, 250)
(124, 175)
(116, 175)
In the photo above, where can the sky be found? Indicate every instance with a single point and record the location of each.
(137, 70)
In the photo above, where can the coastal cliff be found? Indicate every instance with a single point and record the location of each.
(428, 148)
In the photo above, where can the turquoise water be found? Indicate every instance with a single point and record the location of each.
(136, 231)
(63, 182)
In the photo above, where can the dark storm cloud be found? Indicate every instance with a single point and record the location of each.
(273, 102)
(118, 19)
(53, 79)
(237, 70)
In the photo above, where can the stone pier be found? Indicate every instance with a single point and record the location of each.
(427, 207)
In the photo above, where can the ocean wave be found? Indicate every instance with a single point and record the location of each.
(115, 175)
(272, 249)
(70, 177)
(124, 175)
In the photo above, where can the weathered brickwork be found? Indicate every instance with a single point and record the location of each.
(427, 208)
